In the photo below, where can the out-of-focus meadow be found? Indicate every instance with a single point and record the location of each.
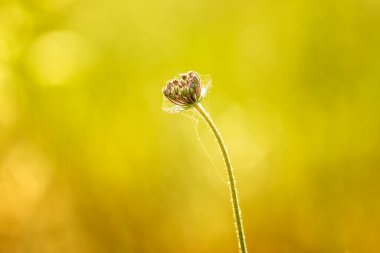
(90, 163)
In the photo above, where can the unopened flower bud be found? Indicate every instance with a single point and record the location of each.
(185, 90)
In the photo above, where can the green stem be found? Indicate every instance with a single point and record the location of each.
(231, 178)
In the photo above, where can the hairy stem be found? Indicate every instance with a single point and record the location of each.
(231, 178)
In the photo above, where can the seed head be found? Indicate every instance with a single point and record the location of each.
(185, 90)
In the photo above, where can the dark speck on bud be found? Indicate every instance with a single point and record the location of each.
(185, 90)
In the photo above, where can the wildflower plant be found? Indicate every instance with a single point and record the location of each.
(186, 91)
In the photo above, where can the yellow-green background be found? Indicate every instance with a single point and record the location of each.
(90, 163)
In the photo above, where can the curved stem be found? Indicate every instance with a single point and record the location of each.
(231, 178)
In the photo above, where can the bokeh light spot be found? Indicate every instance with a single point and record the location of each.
(25, 173)
(57, 57)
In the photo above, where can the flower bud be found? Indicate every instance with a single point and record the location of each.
(185, 90)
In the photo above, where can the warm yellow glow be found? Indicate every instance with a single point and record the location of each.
(89, 162)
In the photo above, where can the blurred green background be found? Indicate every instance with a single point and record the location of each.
(90, 163)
